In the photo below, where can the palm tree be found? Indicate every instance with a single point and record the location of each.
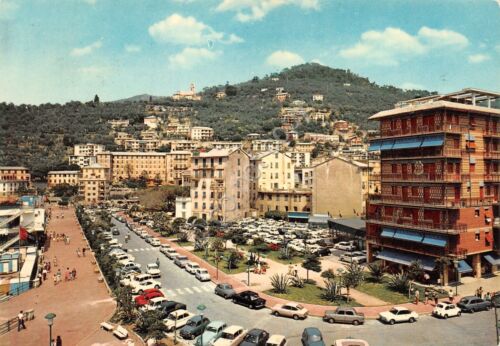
(441, 264)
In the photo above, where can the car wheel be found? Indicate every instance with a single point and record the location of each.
(411, 320)
(459, 313)
(295, 317)
(445, 316)
(391, 322)
(355, 322)
(275, 313)
(157, 287)
(488, 308)
(331, 320)
(472, 310)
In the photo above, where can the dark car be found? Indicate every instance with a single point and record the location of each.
(255, 337)
(130, 270)
(311, 336)
(194, 327)
(115, 231)
(322, 251)
(169, 307)
(473, 304)
(249, 299)
(224, 290)
(328, 243)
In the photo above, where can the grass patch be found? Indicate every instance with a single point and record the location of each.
(241, 266)
(311, 294)
(381, 291)
(274, 256)
(184, 243)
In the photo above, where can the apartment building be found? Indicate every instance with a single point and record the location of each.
(261, 145)
(55, 178)
(134, 165)
(178, 166)
(117, 123)
(284, 201)
(439, 180)
(300, 159)
(304, 147)
(149, 134)
(82, 161)
(220, 184)
(142, 144)
(200, 133)
(13, 178)
(121, 137)
(317, 97)
(221, 145)
(89, 149)
(182, 145)
(151, 121)
(304, 177)
(321, 137)
(183, 207)
(94, 184)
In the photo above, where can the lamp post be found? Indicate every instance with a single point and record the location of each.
(201, 308)
(50, 321)
(248, 269)
(455, 263)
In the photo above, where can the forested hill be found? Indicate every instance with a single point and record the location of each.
(41, 137)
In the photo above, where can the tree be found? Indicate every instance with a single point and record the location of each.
(125, 305)
(442, 264)
(65, 190)
(178, 222)
(182, 237)
(311, 262)
(377, 271)
(230, 90)
(415, 270)
(328, 274)
(150, 325)
(232, 259)
(399, 282)
(217, 244)
(280, 283)
(96, 99)
(331, 290)
(352, 277)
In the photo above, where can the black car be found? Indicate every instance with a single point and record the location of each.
(328, 243)
(115, 231)
(169, 307)
(473, 304)
(255, 337)
(249, 299)
(322, 251)
(194, 327)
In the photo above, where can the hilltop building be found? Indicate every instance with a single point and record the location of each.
(187, 95)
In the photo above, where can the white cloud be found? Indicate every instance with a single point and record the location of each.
(392, 45)
(7, 7)
(412, 86)
(132, 48)
(94, 71)
(188, 31)
(283, 58)
(81, 51)
(253, 10)
(190, 57)
(478, 58)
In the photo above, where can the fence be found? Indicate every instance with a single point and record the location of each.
(11, 324)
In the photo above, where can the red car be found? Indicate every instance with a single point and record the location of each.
(144, 298)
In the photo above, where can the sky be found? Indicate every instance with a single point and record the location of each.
(63, 50)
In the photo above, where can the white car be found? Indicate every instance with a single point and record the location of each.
(155, 242)
(164, 248)
(140, 287)
(143, 234)
(202, 274)
(171, 253)
(344, 245)
(445, 310)
(177, 319)
(154, 303)
(231, 336)
(398, 314)
(153, 270)
(124, 256)
(132, 279)
(354, 257)
(191, 267)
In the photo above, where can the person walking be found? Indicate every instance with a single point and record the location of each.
(435, 298)
(426, 296)
(59, 275)
(480, 292)
(83, 251)
(20, 321)
(158, 262)
(450, 296)
(54, 277)
(55, 261)
(78, 252)
(44, 274)
(58, 341)
(417, 296)
(73, 274)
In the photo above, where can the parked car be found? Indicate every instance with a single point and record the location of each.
(171, 253)
(191, 267)
(249, 299)
(194, 327)
(181, 261)
(134, 278)
(445, 310)
(129, 264)
(146, 296)
(311, 336)
(322, 251)
(255, 337)
(155, 303)
(115, 231)
(177, 319)
(231, 336)
(125, 272)
(202, 274)
(294, 310)
(140, 287)
(473, 304)
(344, 245)
(398, 314)
(164, 248)
(225, 290)
(344, 315)
(155, 242)
(354, 257)
(170, 307)
(211, 333)
(327, 242)
(148, 239)
(153, 270)
(143, 234)
(276, 340)
(122, 256)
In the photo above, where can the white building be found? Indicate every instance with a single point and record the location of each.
(200, 133)
(183, 207)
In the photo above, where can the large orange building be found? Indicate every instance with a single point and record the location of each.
(439, 181)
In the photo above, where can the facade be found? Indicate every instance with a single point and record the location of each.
(178, 165)
(321, 137)
(300, 159)
(304, 147)
(283, 200)
(200, 133)
(183, 207)
(261, 145)
(117, 123)
(220, 184)
(11, 180)
(94, 184)
(82, 161)
(142, 144)
(187, 95)
(182, 145)
(439, 184)
(89, 149)
(121, 137)
(151, 121)
(318, 97)
(62, 177)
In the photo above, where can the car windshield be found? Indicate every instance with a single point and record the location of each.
(300, 307)
(315, 338)
(251, 338)
(191, 323)
(211, 329)
(440, 306)
(227, 336)
(394, 311)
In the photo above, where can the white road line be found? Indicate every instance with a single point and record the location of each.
(197, 289)
(141, 249)
(147, 249)
(189, 291)
(171, 293)
(206, 288)
(180, 291)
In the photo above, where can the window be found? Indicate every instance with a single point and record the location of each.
(476, 212)
(472, 167)
(239, 162)
(478, 236)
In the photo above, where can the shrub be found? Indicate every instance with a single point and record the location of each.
(415, 270)
(298, 282)
(331, 290)
(182, 237)
(280, 283)
(328, 274)
(377, 271)
(399, 282)
(284, 254)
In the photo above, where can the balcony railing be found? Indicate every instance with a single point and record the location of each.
(409, 222)
(491, 132)
(423, 129)
(445, 152)
(492, 177)
(434, 202)
(492, 155)
(424, 177)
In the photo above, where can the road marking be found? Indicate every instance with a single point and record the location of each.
(189, 291)
(206, 288)
(171, 293)
(179, 290)
(197, 289)
(142, 249)
(147, 249)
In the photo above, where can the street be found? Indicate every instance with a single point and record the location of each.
(470, 329)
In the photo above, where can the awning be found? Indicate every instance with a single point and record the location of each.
(387, 144)
(387, 232)
(375, 146)
(298, 215)
(469, 137)
(493, 258)
(433, 141)
(406, 258)
(464, 267)
(408, 235)
(435, 240)
(408, 143)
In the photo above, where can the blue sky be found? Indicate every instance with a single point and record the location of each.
(62, 50)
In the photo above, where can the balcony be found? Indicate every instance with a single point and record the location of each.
(491, 133)
(424, 177)
(445, 152)
(450, 203)
(424, 129)
(492, 155)
(425, 225)
(495, 177)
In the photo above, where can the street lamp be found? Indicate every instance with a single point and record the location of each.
(50, 321)
(201, 308)
(455, 263)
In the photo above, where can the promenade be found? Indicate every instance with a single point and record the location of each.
(80, 305)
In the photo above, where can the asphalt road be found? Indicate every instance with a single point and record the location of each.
(469, 329)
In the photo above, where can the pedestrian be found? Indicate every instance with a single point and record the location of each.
(450, 296)
(20, 321)
(427, 278)
(40, 279)
(78, 252)
(67, 239)
(487, 296)
(83, 252)
(59, 275)
(73, 273)
(58, 341)
(67, 275)
(44, 274)
(55, 261)
(417, 296)
(426, 296)
(435, 299)
(480, 292)
(158, 262)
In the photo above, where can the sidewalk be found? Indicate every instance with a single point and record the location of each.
(239, 285)
(79, 305)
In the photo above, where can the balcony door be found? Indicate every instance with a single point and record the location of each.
(405, 193)
(427, 194)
